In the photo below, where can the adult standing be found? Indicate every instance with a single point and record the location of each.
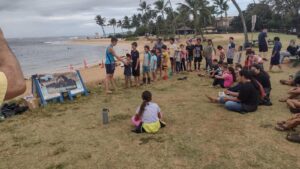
(12, 83)
(110, 65)
(275, 59)
(262, 43)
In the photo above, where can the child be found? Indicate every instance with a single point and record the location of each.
(227, 78)
(153, 64)
(198, 52)
(221, 53)
(159, 62)
(190, 50)
(135, 56)
(146, 65)
(172, 49)
(216, 68)
(178, 60)
(240, 53)
(127, 70)
(208, 54)
(148, 116)
(183, 56)
(165, 59)
(230, 51)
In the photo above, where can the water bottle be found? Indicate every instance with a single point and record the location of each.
(105, 115)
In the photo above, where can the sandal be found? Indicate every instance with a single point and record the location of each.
(293, 137)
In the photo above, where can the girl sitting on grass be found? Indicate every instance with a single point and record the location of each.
(148, 115)
(227, 79)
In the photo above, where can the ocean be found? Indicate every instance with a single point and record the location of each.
(50, 55)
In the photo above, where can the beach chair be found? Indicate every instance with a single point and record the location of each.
(43, 93)
(81, 88)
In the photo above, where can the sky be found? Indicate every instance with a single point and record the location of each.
(45, 18)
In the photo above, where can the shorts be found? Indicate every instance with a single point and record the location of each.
(146, 69)
(110, 68)
(153, 70)
(198, 59)
(164, 67)
(263, 48)
(190, 58)
(230, 61)
(172, 60)
(136, 73)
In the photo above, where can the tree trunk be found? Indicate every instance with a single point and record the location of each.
(103, 31)
(243, 20)
(226, 18)
(114, 31)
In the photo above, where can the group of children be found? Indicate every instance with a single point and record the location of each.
(161, 60)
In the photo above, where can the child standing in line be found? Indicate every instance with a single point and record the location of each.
(159, 62)
(198, 52)
(146, 65)
(240, 54)
(135, 56)
(153, 64)
(230, 51)
(183, 56)
(208, 54)
(178, 60)
(172, 49)
(190, 58)
(128, 71)
(165, 60)
(221, 53)
(148, 116)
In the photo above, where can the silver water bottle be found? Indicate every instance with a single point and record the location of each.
(105, 112)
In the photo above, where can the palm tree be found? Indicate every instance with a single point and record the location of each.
(135, 21)
(243, 20)
(113, 23)
(144, 7)
(160, 6)
(126, 23)
(101, 22)
(197, 8)
(120, 25)
(223, 8)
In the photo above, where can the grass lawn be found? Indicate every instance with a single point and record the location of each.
(198, 134)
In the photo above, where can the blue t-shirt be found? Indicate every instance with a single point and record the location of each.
(262, 38)
(109, 58)
(277, 48)
(153, 66)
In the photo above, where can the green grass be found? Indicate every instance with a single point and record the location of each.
(198, 134)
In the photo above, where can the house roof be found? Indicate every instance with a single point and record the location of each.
(185, 28)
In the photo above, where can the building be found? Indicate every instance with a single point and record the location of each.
(185, 31)
(223, 22)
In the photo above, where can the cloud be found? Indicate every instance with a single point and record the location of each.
(28, 18)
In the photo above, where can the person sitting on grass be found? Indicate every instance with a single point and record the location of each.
(148, 116)
(226, 79)
(264, 79)
(293, 94)
(294, 80)
(244, 101)
(12, 83)
(216, 68)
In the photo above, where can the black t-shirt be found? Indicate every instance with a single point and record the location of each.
(292, 50)
(135, 55)
(249, 97)
(190, 50)
(198, 50)
(264, 80)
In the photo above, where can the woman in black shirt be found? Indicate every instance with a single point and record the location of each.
(246, 100)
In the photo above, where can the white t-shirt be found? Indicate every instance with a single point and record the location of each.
(172, 49)
(150, 114)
